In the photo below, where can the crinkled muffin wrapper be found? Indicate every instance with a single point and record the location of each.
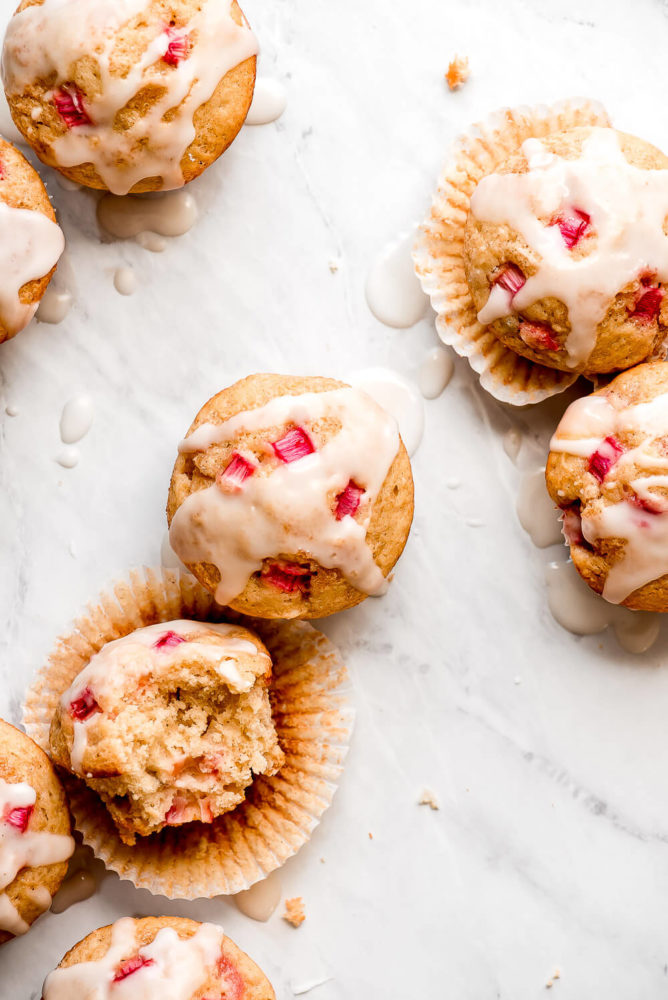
(313, 718)
(438, 254)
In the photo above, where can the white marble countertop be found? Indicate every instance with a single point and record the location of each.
(548, 752)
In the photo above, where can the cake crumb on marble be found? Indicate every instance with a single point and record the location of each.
(294, 911)
(458, 72)
(428, 798)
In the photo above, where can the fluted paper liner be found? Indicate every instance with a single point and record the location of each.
(438, 254)
(313, 718)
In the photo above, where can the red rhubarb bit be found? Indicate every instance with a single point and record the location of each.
(177, 48)
(294, 445)
(68, 100)
(288, 577)
(232, 978)
(539, 336)
(605, 457)
(131, 965)
(571, 525)
(647, 306)
(179, 812)
(84, 706)
(348, 501)
(237, 470)
(510, 278)
(573, 224)
(18, 817)
(654, 506)
(168, 640)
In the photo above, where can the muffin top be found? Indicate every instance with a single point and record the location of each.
(608, 470)
(169, 724)
(171, 957)
(117, 85)
(34, 832)
(289, 488)
(567, 254)
(30, 240)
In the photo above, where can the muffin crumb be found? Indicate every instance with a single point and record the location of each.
(458, 72)
(294, 911)
(428, 798)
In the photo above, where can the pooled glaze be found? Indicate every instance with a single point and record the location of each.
(236, 531)
(581, 432)
(627, 207)
(54, 306)
(261, 900)
(25, 848)
(174, 968)
(76, 419)
(43, 41)
(393, 292)
(68, 457)
(75, 889)
(171, 213)
(125, 281)
(398, 396)
(269, 101)
(435, 372)
(30, 245)
(536, 511)
(122, 662)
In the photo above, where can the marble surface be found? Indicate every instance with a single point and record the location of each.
(547, 752)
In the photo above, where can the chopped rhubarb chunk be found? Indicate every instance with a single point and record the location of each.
(177, 48)
(647, 306)
(68, 100)
(131, 965)
(84, 706)
(605, 457)
(348, 501)
(539, 336)
(573, 225)
(168, 640)
(18, 817)
(234, 984)
(294, 445)
(510, 278)
(183, 811)
(235, 472)
(288, 577)
(656, 505)
(571, 525)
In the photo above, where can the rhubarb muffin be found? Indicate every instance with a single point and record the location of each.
(129, 98)
(291, 497)
(566, 252)
(170, 724)
(608, 472)
(35, 841)
(173, 957)
(31, 241)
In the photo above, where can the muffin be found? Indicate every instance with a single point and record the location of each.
(173, 957)
(608, 472)
(169, 724)
(566, 252)
(31, 244)
(291, 497)
(35, 841)
(139, 98)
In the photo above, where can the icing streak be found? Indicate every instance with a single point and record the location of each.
(30, 245)
(590, 429)
(21, 847)
(622, 206)
(180, 68)
(169, 967)
(291, 509)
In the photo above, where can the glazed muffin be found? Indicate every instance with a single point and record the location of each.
(291, 497)
(158, 956)
(30, 241)
(169, 724)
(566, 252)
(129, 98)
(608, 471)
(35, 841)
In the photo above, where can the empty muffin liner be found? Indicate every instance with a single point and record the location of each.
(309, 694)
(438, 254)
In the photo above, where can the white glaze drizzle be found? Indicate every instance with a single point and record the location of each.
(393, 293)
(121, 663)
(645, 555)
(54, 306)
(125, 281)
(269, 101)
(76, 419)
(176, 968)
(536, 511)
(48, 38)
(30, 245)
(170, 213)
(261, 900)
(236, 531)
(435, 372)
(627, 206)
(27, 849)
(398, 396)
